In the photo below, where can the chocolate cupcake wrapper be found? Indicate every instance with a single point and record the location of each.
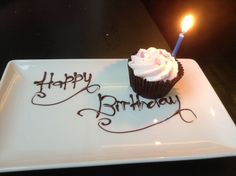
(155, 89)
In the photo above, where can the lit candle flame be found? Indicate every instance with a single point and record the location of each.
(187, 23)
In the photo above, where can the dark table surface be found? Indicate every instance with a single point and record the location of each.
(106, 29)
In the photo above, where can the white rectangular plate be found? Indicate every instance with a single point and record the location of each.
(40, 125)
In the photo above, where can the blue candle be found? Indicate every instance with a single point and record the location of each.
(186, 24)
(178, 43)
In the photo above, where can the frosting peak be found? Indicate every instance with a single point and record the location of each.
(154, 64)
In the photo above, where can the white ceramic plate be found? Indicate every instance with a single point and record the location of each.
(40, 125)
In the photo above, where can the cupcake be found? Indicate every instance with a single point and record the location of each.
(153, 72)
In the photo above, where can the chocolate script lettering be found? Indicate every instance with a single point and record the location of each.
(108, 105)
(133, 104)
(72, 80)
(115, 105)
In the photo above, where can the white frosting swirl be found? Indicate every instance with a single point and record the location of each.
(154, 64)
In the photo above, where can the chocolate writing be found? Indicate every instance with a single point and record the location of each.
(48, 82)
(133, 104)
(110, 105)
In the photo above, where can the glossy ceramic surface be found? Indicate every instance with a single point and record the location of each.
(82, 112)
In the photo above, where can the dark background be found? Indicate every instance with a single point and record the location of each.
(74, 29)
(213, 35)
